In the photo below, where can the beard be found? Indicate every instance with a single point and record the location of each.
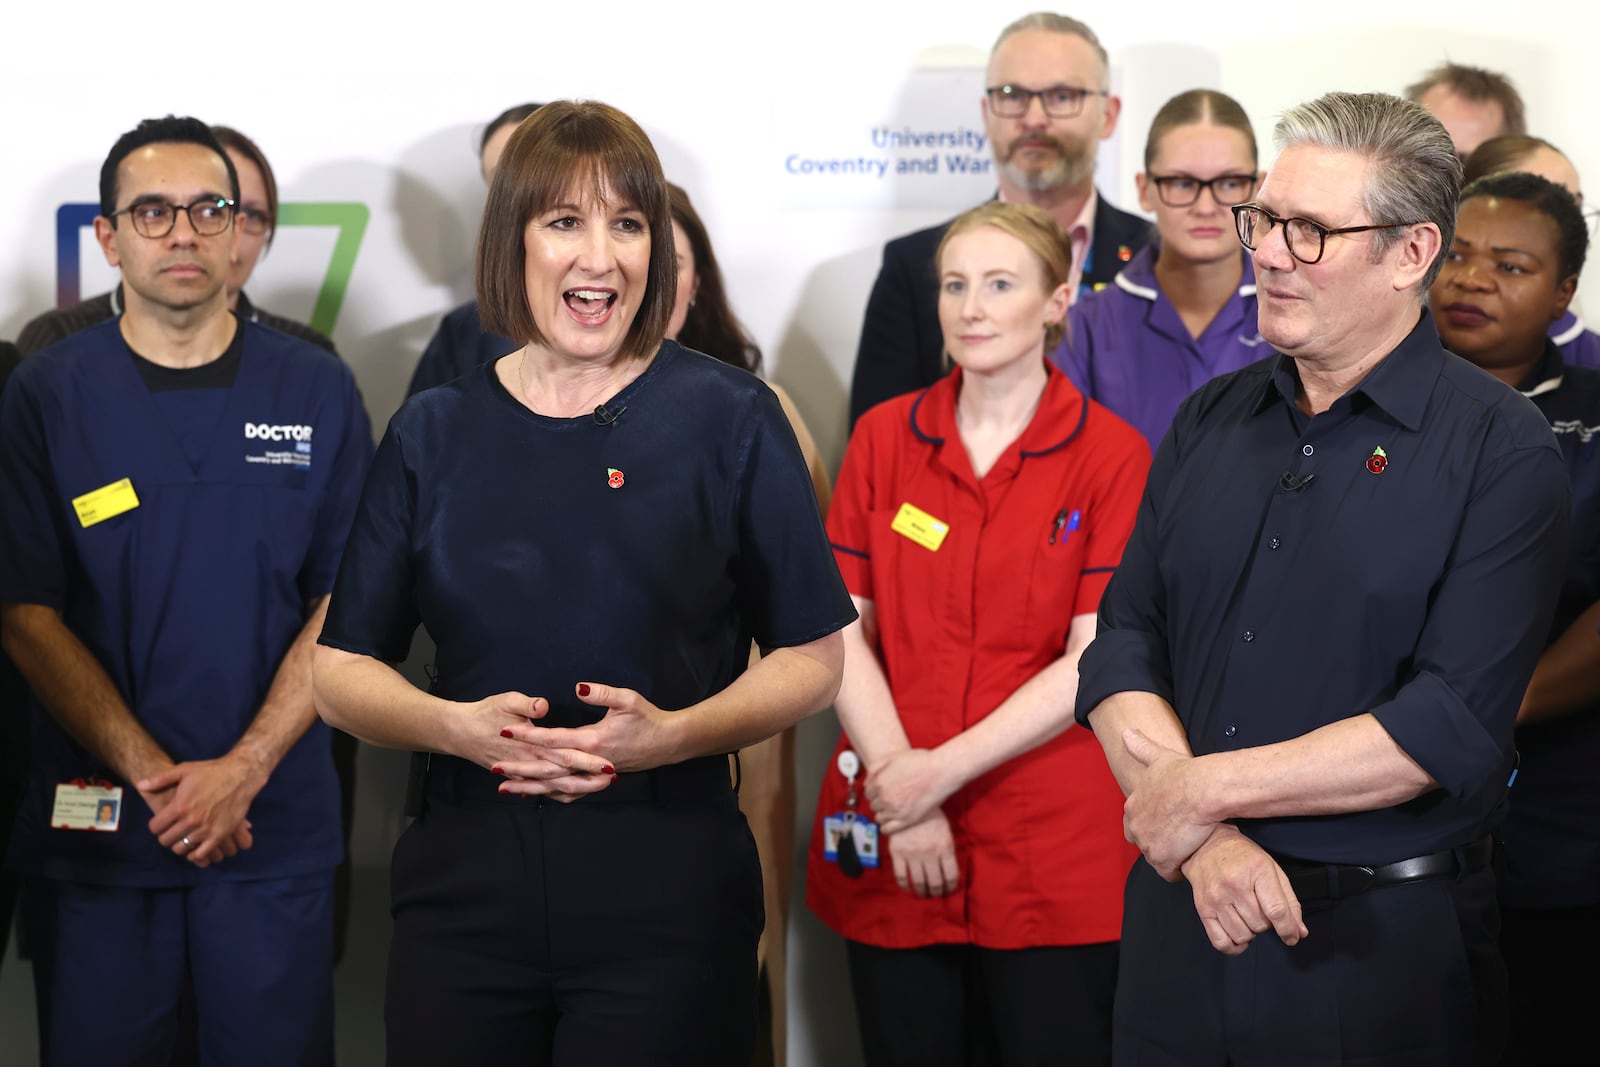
(1068, 163)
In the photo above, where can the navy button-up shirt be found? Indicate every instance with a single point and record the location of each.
(1398, 554)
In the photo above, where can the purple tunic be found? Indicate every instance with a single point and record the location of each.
(1128, 349)
(1579, 346)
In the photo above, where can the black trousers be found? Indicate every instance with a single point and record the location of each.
(1550, 956)
(620, 928)
(965, 1006)
(1402, 975)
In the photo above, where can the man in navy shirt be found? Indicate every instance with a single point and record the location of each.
(1047, 106)
(179, 484)
(1310, 660)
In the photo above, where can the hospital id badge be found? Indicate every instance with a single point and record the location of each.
(851, 842)
(87, 805)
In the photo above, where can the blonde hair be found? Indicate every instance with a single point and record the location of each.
(1041, 235)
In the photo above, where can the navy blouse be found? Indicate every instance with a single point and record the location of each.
(642, 546)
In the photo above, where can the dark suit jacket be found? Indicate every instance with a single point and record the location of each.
(902, 347)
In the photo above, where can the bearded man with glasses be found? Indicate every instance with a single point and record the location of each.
(178, 484)
(1310, 660)
(1047, 106)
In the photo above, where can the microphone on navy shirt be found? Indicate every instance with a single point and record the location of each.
(1290, 482)
(604, 416)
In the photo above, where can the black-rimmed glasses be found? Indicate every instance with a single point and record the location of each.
(1305, 239)
(1181, 190)
(1058, 101)
(156, 218)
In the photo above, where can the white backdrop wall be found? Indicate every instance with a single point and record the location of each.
(382, 107)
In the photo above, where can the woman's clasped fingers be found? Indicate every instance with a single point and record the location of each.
(543, 763)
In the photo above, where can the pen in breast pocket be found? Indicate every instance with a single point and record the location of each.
(1066, 522)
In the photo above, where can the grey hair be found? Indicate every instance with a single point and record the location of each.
(1050, 22)
(1415, 174)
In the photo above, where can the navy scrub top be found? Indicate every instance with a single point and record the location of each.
(643, 548)
(191, 599)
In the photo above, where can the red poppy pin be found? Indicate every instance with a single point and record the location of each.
(1124, 253)
(1378, 460)
(613, 478)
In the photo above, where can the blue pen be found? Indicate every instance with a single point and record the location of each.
(1067, 521)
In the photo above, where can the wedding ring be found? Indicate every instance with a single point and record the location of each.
(186, 842)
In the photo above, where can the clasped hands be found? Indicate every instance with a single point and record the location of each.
(1239, 890)
(201, 806)
(501, 735)
(906, 789)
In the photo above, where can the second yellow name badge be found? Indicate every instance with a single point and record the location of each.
(917, 525)
(104, 503)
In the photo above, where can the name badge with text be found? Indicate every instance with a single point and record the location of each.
(84, 805)
(917, 525)
(104, 503)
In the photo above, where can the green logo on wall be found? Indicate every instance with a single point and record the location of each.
(351, 220)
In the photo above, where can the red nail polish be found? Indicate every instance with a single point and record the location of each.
(608, 769)
(583, 689)
(497, 770)
(507, 732)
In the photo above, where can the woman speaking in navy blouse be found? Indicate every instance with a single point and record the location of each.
(593, 529)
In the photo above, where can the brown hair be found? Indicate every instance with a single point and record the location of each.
(1050, 22)
(710, 326)
(1198, 106)
(1038, 231)
(1502, 153)
(1477, 85)
(566, 147)
(231, 138)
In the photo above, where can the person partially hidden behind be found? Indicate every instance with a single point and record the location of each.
(1047, 106)
(1519, 247)
(1309, 664)
(460, 343)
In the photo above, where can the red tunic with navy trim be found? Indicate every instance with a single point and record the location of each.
(1031, 545)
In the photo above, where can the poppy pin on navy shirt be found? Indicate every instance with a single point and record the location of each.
(1378, 460)
(613, 478)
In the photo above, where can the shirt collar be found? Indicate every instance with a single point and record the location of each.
(1401, 384)
(1547, 373)
(1060, 417)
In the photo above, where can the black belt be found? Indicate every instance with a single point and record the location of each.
(1330, 881)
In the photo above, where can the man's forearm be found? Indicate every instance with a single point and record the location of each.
(77, 692)
(288, 710)
(1135, 710)
(1347, 766)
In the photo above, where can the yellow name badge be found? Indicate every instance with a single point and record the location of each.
(104, 503)
(914, 523)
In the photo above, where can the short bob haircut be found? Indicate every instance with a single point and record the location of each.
(1041, 235)
(571, 150)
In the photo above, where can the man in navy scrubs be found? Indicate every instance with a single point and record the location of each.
(179, 483)
(1311, 657)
